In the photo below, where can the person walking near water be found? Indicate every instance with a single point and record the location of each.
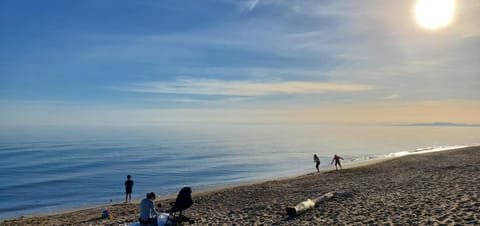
(317, 162)
(128, 189)
(336, 159)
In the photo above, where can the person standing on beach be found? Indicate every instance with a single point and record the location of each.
(317, 162)
(336, 159)
(128, 189)
(148, 213)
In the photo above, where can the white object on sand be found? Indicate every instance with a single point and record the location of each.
(309, 204)
(161, 220)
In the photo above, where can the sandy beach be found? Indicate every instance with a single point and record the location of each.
(441, 188)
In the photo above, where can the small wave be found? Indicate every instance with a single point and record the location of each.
(26, 207)
(410, 152)
(425, 150)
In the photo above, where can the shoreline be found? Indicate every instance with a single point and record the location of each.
(236, 209)
(160, 198)
(346, 165)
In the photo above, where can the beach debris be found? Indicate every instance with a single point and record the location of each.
(300, 208)
(304, 206)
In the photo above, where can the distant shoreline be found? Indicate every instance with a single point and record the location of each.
(446, 124)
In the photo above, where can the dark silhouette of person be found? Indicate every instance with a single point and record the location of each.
(148, 213)
(128, 189)
(317, 162)
(336, 159)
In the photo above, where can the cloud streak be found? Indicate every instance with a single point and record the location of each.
(252, 4)
(240, 88)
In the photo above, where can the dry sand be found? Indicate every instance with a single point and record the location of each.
(430, 189)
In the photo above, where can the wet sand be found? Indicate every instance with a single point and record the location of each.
(441, 188)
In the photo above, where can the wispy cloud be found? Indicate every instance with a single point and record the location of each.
(391, 97)
(252, 4)
(187, 100)
(240, 88)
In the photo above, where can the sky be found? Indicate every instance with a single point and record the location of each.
(148, 62)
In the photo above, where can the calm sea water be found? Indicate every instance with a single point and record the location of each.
(47, 169)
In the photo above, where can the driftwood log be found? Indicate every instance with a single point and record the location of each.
(311, 203)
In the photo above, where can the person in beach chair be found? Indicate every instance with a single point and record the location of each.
(183, 202)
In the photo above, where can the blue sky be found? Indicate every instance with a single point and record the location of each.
(147, 62)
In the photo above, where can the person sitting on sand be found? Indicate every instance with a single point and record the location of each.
(148, 213)
(316, 160)
(336, 159)
(128, 189)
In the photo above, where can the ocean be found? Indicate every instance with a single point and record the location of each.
(47, 169)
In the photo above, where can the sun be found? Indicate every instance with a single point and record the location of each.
(434, 14)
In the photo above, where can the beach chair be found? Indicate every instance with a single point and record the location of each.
(183, 202)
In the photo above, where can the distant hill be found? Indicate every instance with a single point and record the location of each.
(442, 124)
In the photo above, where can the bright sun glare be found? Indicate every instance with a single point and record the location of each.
(433, 14)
